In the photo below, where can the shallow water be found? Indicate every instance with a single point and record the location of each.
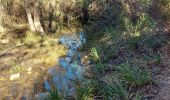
(72, 68)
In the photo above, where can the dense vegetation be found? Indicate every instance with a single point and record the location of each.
(122, 52)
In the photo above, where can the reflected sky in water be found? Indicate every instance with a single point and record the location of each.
(71, 64)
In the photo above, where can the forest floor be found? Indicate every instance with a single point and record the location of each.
(23, 66)
(164, 79)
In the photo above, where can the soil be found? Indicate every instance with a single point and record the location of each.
(164, 78)
(31, 62)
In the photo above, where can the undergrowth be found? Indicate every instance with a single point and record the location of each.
(31, 38)
(111, 44)
(117, 32)
(133, 74)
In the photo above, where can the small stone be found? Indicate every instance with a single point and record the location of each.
(85, 60)
(14, 76)
(42, 68)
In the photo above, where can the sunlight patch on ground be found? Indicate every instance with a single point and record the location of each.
(35, 55)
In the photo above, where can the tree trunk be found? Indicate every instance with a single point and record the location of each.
(2, 15)
(34, 17)
(37, 22)
(30, 20)
(51, 15)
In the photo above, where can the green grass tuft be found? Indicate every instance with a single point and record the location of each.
(134, 75)
(32, 38)
(54, 95)
(83, 93)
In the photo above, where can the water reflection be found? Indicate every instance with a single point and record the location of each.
(70, 66)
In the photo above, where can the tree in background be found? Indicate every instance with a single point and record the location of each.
(47, 15)
(2, 15)
(33, 15)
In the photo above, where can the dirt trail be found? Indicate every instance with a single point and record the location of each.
(164, 81)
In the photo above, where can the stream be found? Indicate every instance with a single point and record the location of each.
(69, 68)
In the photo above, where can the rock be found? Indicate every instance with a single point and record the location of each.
(14, 76)
(85, 60)
(42, 96)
